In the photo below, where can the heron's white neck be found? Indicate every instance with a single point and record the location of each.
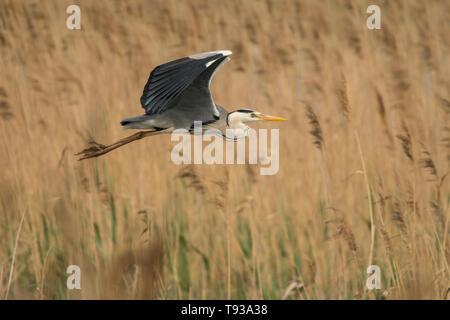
(236, 128)
(237, 120)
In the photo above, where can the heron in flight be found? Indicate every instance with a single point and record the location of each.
(178, 93)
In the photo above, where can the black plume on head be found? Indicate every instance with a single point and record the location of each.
(244, 111)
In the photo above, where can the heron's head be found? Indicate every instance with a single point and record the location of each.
(243, 116)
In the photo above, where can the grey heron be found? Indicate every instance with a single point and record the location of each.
(176, 95)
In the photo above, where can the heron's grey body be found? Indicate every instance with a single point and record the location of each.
(171, 121)
(177, 94)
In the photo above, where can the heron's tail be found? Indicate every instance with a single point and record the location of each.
(139, 122)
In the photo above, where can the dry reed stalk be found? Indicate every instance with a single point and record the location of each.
(135, 272)
(437, 212)
(251, 173)
(369, 199)
(385, 234)
(445, 104)
(411, 201)
(224, 185)
(316, 130)
(444, 246)
(346, 109)
(293, 286)
(43, 273)
(220, 197)
(382, 113)
(149, 260)
(16, 242)
(343, 98)
(427, 163)
(405, 139)
(398, 217)
(220, 200)
(325, 170)
(1, 279)
(318, 140)
(228, 260)
(347, 234)
(188, 173)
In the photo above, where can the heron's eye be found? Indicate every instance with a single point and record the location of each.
(253, 115)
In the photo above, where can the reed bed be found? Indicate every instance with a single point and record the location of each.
(364, 158)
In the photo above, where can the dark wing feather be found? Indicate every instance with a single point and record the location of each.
(196, 102)
(168, 81)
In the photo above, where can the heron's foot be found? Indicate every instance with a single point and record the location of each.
(94, 149)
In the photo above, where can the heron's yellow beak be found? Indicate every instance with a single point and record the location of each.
(269, 118)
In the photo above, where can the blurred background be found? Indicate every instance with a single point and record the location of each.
(364, 156)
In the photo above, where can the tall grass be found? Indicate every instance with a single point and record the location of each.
(363, 168)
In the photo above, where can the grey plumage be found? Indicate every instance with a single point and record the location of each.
(177, 93)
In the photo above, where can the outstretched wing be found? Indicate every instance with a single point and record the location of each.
(168, 81)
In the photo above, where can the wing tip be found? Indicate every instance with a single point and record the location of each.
(207, 54)
(225, 53)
